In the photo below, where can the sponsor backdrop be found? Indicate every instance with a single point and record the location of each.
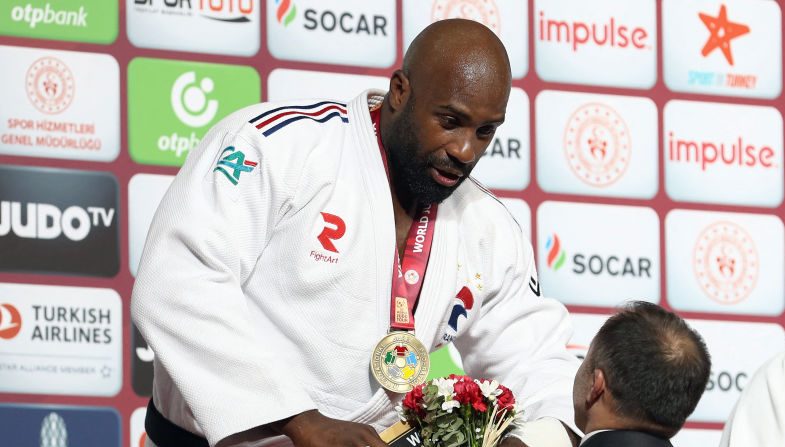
(642, 153)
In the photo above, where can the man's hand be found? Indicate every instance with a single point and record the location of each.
(312, 429)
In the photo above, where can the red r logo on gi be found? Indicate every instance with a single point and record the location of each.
(334, 230)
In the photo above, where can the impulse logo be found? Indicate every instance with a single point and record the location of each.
(285, 12)
(707, 153)
(10, 321)
(611, 34)
(556, 255)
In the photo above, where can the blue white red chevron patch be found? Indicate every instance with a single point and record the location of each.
(276, 119)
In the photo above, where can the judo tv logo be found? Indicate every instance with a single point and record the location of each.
(597, 144)
(58, 221)
(50, 85)
(10, 321)
(59, 426)
(726, 262)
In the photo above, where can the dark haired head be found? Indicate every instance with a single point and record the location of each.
(654, 366)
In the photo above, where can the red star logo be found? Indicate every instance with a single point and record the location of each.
(722, 31)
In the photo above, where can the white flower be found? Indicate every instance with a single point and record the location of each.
(445, 387)
(448, 405)
(399, 410)
(489, 389)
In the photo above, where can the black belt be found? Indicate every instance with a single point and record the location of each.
(166, 434)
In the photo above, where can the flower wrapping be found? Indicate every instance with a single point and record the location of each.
(458, 411)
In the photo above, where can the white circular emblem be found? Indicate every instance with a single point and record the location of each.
(50, 85)
(483, 11)
(411, 277)
(726, 262)
(597, 144)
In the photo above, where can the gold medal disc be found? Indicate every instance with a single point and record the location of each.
(400, 362)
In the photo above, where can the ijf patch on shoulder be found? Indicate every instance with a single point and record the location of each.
(234, 163)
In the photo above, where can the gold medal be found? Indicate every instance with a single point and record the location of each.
(400, 362)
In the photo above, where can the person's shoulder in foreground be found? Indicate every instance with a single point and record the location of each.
(643, 375)
(759, 416)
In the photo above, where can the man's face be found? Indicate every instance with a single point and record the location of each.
(440, 135)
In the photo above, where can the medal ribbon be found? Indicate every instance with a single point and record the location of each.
(407, 279)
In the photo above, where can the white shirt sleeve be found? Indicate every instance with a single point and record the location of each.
(188, 300)
(520, 339)
(759, 416)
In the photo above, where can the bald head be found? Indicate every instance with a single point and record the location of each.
(463, 50)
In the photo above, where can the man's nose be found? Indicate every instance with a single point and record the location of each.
(464, 149)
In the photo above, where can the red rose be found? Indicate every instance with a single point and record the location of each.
(413, 399)
(505, 399)
(468, 392)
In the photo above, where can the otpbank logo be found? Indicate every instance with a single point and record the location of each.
(172, 104)
(577, 44)
(723, 153)
(606, 263)
(725, 262)
(323, 31)
(59, 426)
(94, 21)
(507, 18)
(601, 145)
(224, 27)
(59, 104)
(732, 47)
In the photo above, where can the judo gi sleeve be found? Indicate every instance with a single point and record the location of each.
(188, 302)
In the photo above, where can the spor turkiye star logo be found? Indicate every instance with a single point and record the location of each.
(722, 32)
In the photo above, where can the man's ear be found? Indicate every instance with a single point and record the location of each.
(597, 389)
(400, 89)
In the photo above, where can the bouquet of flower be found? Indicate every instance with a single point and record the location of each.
(459, 411)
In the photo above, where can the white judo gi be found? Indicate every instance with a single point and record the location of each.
(759, 416)
(265, 279)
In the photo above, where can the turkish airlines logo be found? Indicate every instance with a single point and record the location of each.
(483, 11)
(10, 321)
(334, 230)
(726, 262)
(597, 144)
(722, 31)
(610, 34)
